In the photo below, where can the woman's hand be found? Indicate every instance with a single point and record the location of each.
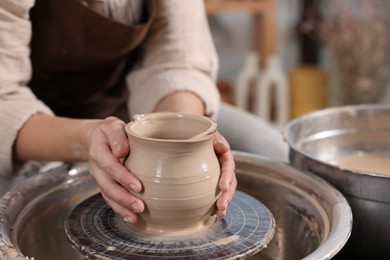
(102, 142)
(228, 181)
(188, 102)
(108, 148)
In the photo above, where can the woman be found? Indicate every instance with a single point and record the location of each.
(68, 67)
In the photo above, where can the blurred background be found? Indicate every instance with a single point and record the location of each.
(282, 58)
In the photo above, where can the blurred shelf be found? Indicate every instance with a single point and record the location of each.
(263, 22)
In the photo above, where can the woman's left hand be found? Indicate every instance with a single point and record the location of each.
(228, 181)
(188, 102)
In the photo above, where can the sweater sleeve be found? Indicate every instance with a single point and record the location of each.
(178, 54)
(17, 102)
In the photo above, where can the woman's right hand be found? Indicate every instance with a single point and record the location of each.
(102, 142)
(108, 148)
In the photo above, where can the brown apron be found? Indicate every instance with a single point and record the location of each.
(80, 58)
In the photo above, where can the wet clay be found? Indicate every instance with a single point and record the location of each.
(372, 163)
(179, 170)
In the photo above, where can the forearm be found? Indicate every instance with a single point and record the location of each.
(183, 102)
(179, 55)
(45, 137)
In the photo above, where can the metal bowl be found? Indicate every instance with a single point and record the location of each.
(318, 138)
(313, 220)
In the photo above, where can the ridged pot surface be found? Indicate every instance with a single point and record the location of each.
(173, 156)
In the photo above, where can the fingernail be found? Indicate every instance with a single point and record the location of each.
(225, 203)
(134, 187)
(225, 185)
(222, 214)
(128, 219)
(220, 143)
(134, 208)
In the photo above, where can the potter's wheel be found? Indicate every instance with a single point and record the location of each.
(97, 231)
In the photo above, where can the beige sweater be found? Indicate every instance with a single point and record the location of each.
(180, 55)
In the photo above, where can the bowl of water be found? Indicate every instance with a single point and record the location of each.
(349, 147)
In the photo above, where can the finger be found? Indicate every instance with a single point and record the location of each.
(228, 181)
(110, 146)
(108, 163)
(115, 133)
(220, 144)
(115, 192)
(226, 161)
(125, 213)
(225, 199)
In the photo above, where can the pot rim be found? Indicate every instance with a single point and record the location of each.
(341, 226)
(286, 133)
(172, 116)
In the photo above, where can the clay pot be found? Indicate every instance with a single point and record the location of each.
(173, 156)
